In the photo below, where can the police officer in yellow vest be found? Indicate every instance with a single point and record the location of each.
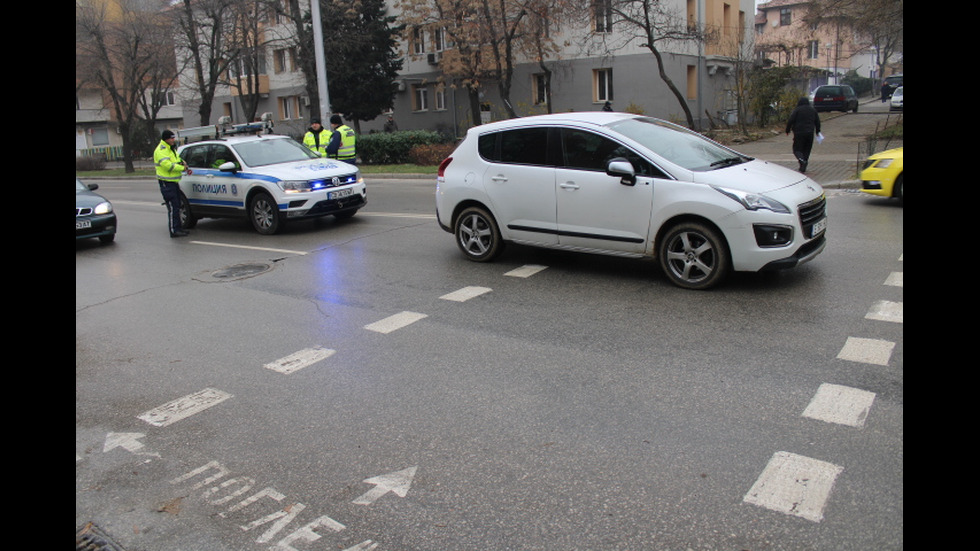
(317, 137)
(342, 144)
(168, 168)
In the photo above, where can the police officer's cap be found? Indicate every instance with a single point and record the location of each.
(335, 119)
(167, 134)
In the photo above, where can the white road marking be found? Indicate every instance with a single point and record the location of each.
(869, 351)
(840, 404)
(466, 293)
(184, 407)
(298, 360)
(895, 279)
(397, 482)
(398, 215)
(794, 485)
(884, 310)
(231, 246)
(395, 322)
(525, 271)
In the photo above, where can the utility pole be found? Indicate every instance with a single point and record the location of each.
(321, 65)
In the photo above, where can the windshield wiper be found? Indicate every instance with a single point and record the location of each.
(728, 162)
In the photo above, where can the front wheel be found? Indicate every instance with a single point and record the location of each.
(694, 256)
(264, 214)
(477, 235)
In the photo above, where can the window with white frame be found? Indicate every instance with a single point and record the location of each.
(602, 16)
(420, 97)
(813, 49)
(539, 88)
(289, 107)
(602, 89)
(418, 41)
(440, 98)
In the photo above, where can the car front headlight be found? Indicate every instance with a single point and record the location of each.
(295, 186)
(753, 201)
(884, 163)
(103, 208)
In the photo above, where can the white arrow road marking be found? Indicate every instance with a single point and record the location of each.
(398, 482)
(128, 441)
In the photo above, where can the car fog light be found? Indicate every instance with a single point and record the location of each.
(767, 235)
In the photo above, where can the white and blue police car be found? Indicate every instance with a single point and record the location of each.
(244, 171)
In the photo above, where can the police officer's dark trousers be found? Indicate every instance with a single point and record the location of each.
(171, 195)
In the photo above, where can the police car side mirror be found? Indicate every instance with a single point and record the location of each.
(623, 169)
(228, 167)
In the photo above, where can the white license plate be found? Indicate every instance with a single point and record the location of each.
(340, 193)
(818, 227)
(82, 224)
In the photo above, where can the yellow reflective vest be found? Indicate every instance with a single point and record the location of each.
(309, 140)
(347, 150)
(168, 164)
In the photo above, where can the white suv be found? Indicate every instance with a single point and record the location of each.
(622, 184)
(269, 179)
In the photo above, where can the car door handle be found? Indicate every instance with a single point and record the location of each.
(568, 185)
(499, 178)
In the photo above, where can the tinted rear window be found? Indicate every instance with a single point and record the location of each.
(528, 146)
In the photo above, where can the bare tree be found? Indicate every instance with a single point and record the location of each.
(203, 30)
(127, 53)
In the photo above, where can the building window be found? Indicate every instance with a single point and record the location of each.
(420, 99)
(602, 89)
(439, 42)
(813, 49)
(692, 82)
(602, 15)
(539, 88)
(418, 41)
(285, 60)
(440, 96)
(785, 17)
(289, 107)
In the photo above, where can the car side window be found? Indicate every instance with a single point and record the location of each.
(196, 156)
(526, 146)
(220, 155)
(584, 150)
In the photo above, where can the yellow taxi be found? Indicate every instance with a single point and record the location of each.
(882, 174)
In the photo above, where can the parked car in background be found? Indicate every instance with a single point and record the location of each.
(898, 99)
(93, 214)
(883, 174)
(892, 83)
(835, 97)
(631, 186)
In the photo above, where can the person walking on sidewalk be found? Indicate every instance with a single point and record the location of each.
(168, 168)
(804, 123)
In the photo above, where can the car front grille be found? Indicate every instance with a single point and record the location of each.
(83, 211)
(812, 211)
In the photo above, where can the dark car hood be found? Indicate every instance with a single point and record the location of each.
(88, 199)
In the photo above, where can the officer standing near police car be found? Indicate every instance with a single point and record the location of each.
(168, 168)
(343, 141)
(317, 137)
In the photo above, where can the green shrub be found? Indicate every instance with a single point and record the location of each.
(89, 162)
(386, 148)
(430, 154)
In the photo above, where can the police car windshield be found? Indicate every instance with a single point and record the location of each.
(272, 151)
(678, 144)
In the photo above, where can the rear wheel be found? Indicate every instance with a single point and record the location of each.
(477, 235)
(187, 218)
(264, 214)
(694, 256)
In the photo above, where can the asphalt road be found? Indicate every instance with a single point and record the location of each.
(359, 385)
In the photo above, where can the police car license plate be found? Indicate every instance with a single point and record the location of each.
(818, 227)
(82, 224)
(340, 193)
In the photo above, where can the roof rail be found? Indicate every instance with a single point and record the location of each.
(225, 128)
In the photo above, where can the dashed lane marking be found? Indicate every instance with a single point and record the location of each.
(870, 351)
(841, 405)
(466, 293)
(298, 360)
(894, 279)
(525, 271)
(395, 322)
(794, 485)
(184, 407)
(884, 310)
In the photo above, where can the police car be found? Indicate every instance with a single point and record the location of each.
(245, 171)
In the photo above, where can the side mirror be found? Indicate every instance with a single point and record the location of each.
(623, 169)
(228, 167)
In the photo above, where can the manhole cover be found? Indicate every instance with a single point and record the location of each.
(240, 270)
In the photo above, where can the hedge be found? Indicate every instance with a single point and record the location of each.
(384, 148)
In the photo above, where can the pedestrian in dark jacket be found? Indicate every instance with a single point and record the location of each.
(804, 123)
